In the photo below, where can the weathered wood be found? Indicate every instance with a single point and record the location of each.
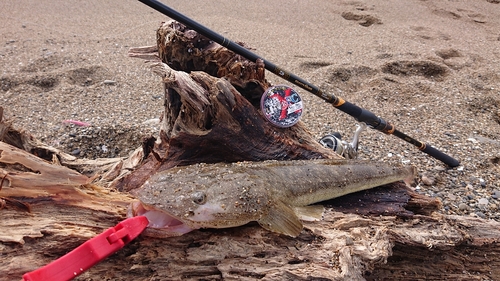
(456, 248)
(343, 246)
(388, 233)
(104, 171)
(211, 113)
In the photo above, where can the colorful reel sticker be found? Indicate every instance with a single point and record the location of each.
(282, 106)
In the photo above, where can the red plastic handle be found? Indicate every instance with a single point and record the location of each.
(91, 252)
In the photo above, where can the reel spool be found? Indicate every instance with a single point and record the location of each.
(282, 106)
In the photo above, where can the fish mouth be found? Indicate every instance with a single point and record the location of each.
(161, 223)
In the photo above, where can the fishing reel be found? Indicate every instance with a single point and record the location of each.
(347, 150)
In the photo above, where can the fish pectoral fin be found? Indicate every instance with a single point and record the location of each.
(310, 213)
(281, 218)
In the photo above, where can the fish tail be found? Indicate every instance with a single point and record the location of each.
(412, 173)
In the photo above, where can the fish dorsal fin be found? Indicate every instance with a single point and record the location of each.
(310, 213)
(281, 219)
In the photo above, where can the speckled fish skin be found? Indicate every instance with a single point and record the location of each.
(227, 195)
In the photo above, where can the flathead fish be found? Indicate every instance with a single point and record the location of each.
(276, 194)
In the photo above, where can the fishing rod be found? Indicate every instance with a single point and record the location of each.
(360, 114)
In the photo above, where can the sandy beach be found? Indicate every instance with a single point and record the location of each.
(429, 67)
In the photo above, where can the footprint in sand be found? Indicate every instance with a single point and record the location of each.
(312, 65)
(363, 20)
(7, 83)
(86, 76)
(48, 70)
(488, 105)
(344, 74)
(46, 63)
(46, 82)
(448, 53)
(430, 34)
(447, 14)
(44, 74)
(456, 59)
(461, 14)
(350, 78)
(427, 69)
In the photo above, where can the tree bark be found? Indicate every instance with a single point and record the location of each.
(387, 233)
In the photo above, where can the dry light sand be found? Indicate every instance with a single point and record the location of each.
(430, 67)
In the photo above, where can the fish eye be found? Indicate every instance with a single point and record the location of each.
(199, 198)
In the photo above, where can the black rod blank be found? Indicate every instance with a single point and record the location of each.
(360, 114)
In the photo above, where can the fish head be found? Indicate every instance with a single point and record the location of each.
(175, 204)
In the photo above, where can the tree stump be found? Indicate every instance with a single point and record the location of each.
(211, 113)
(387, 233)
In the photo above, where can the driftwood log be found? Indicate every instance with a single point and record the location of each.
(52, 202)
(210, 108)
